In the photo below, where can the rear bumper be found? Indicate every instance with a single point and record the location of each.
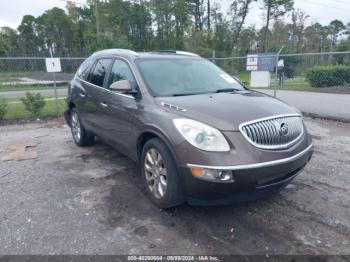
(67, 117)
(251, 182)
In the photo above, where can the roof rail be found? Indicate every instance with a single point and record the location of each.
(175, 52)
(126, 51)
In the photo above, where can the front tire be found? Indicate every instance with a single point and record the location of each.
(81, 136)
(160, 175)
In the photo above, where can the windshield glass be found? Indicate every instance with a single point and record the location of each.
(185, 76)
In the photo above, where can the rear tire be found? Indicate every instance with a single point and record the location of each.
(81, 136)
(159, 171)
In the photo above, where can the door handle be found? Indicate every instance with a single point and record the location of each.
(81, 95)
(104, 104)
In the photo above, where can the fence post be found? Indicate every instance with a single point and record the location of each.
(276, 76)
(55, 87)
(56, 95)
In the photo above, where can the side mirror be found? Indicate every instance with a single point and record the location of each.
(122, 86)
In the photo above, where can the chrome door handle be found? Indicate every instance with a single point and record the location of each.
(81, 95)
(104, 104)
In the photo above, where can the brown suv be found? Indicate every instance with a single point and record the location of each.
(197, 133)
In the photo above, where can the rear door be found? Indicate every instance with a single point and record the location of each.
(78, 87)
(93, 87)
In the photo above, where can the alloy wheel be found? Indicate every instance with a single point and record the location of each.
(155, 173)
(76, 129)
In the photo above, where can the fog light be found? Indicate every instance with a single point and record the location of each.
(225, 176)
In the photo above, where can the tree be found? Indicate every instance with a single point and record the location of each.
(274, 9)
(182, 20)
(208, 16)
(28, 40)
(316, 37)
(8, 41)
(336, 28)
(239, 11)
(198, 10)
(163, 21)
(298, 29)
(55, 32)
(194, 25)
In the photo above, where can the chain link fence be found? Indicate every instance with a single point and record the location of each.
(18, 75)
(310, 71)
(28, 91)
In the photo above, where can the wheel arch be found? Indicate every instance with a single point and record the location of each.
(71, 105)
(67, 113)
(149, 133)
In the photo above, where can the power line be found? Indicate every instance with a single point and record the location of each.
(74, 2)
(342, 1)
(328, 6)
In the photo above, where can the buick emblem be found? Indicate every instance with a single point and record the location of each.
(283, 129)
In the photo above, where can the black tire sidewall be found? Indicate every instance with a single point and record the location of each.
(173, 194)
(75, 111)
(86, 138)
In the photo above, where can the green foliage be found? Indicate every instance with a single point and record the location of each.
(17, 110)
(344, 46)
(274, 10)
(3, 108)
(8, 41)
(190, 25)
(34, 103)
(328, 76)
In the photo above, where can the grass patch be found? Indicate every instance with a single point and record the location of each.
(18, 111)
(295, 84)
(9, 88)
(17, 99)
(5, 76)
(244, 77)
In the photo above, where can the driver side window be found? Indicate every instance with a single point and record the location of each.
(121, 71)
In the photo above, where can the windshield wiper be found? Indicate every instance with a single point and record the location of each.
(223, 90)
(227, 90)
(188, 94)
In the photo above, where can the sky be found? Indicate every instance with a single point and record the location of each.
(322, 11)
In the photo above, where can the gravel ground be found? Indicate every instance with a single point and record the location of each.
(91, 201)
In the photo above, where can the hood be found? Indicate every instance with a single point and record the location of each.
(225, 111)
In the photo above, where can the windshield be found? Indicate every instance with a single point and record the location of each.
(185, 76)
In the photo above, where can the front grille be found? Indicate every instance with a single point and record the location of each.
(276, 132)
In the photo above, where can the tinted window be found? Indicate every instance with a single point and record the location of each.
(99, 72)
(181, 76)
(84, 69)
(121, 71)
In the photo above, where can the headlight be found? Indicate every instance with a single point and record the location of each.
(201, 135)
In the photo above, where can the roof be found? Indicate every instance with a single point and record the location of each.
(132, 54)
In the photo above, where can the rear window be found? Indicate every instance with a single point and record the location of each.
(99, 72)
(84, 69)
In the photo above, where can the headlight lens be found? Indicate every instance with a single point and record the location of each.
(201, 135)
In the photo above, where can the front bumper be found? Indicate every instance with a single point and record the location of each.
(252, 181)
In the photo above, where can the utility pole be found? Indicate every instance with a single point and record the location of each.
(208, 7)
(289, 37)
(97, 19)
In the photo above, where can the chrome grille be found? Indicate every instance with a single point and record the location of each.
(276, 132)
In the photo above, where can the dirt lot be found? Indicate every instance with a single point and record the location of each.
(74, 200)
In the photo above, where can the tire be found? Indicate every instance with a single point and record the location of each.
(81, 136)
(172, 194)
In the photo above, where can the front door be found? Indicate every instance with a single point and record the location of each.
(118, 110)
